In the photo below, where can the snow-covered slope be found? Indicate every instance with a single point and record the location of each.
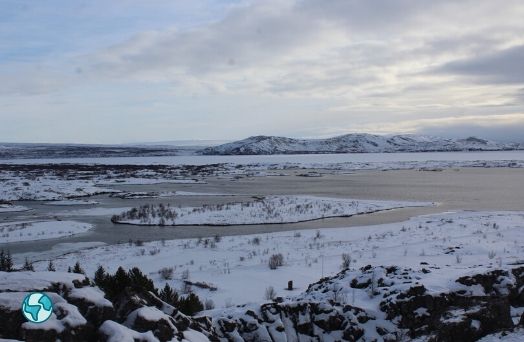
(357, 143)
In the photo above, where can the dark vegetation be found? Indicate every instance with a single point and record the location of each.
(114, 284)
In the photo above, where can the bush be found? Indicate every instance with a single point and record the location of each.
(166, 273)
(270, 293)
(6, 262)
(209, 304)
(275, 261)
(51, 266)
(346, 261)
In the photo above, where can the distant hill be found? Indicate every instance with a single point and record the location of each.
(356, 143)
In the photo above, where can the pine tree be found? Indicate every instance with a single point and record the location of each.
(78, 269)
(140, 281)
(168, 295)
(28, 266)
(190, 305)
(2, 260)
(8, 262)
(69, 270)
(51, 266)
(100, 276)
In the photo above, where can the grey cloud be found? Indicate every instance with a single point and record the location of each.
(505, 66)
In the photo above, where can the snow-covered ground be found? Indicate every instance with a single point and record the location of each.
(270, 209)
(514, 336)
(449, 244)
(72, 202)
(40, 230)
(46, 188)
(7, 208)
(147, 181)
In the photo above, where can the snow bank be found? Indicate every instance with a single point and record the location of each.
(40, 230)
(271, 209)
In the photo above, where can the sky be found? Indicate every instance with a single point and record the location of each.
(125, 71)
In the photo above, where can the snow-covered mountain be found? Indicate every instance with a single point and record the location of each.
(356, 143)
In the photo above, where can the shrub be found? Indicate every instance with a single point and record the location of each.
(6, 261)
(166, 273)
(51, 266)
(270, 293)
(209, 304)
(346, 261)
(275, 261)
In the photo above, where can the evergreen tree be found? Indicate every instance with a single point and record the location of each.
(28, 266)
(140, 281)
(51, 266)
(168, 295)
(78, 269)
(2, 260)
(100, 276)
(69, 269)
(190, 305)
(8, 262)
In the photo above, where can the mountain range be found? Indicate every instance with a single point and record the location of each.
(356, 143)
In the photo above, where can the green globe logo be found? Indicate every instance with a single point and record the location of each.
(37, 307)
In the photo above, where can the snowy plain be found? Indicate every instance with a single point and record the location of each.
(450, 244)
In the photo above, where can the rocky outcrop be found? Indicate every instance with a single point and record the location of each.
(400, 305)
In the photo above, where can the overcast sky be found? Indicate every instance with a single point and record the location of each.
(99, 71)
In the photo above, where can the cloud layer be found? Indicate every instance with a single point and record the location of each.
(287, 67)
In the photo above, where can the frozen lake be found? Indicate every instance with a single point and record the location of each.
(295, 158)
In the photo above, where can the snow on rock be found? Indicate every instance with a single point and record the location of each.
(271, 209)
(516, 335)
(40, 230)
(113, 332)
(37, 281)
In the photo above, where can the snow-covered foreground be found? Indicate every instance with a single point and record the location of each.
(40, 230)
(270, 209)
(450, 244)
